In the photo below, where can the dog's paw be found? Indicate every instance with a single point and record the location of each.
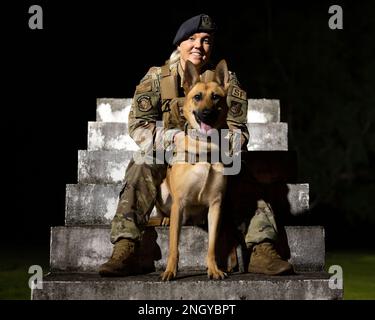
(216, 274)
(168, 275)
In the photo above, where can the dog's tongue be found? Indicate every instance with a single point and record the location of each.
(205, 127)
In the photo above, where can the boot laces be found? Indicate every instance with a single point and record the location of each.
(120, 249)
(269, 249)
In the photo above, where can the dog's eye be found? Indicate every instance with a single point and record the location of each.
(215, 96)
(198, 97)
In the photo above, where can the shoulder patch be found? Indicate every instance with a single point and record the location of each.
(235, 108)
(144, 103)
(238, 93)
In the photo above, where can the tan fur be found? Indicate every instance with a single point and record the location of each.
(202, 185)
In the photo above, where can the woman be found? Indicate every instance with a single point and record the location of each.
(159, 96)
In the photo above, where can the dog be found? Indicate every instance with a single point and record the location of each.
(200, 185)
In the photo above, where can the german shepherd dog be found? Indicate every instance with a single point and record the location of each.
(200, 185)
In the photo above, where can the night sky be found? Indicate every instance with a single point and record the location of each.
(283, 51)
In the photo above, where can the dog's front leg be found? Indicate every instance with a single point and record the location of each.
(174, 235)
(213, 223)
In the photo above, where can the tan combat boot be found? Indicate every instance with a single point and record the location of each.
(264, 259)
(124, 260)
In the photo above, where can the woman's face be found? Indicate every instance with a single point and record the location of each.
(197, 49)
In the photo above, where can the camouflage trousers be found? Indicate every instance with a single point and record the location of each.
(138, 197)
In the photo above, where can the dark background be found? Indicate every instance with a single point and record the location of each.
(325, 80)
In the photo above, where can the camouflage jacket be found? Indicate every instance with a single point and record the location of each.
(151, 103)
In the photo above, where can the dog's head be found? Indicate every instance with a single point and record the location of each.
(205, 105)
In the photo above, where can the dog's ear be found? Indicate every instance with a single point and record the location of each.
(222, 74)
(191, 76)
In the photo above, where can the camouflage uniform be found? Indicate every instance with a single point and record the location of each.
(160, 97)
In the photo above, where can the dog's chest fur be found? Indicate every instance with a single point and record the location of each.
(199, 183)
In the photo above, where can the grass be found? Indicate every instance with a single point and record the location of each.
(14, 267)
(358, 270)
(359, 273)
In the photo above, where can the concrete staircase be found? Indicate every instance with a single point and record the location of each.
(79, 247)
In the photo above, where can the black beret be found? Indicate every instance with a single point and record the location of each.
(199, 23)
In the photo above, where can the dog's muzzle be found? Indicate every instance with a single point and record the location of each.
(208, 116)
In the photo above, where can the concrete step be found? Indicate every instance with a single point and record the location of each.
(90, 204)
(188, 286)
(102, 166)
(117, 110)
(268, 136)
(114, 136)
(85, 248)
(109, 136)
